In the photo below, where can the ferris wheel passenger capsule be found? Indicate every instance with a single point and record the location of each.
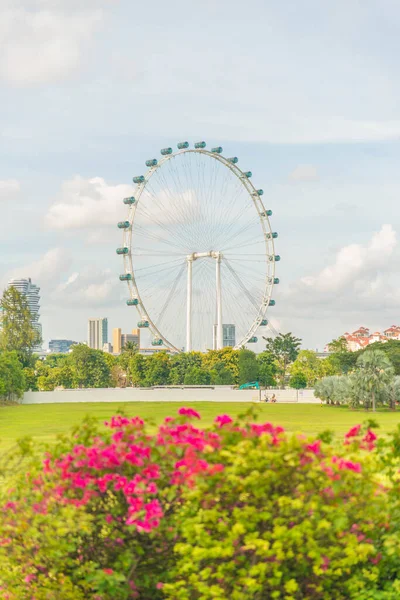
(125, 277)
(264, 322)
(273, 235)
(152, 162)
(166, 151)
(267, 213)
(143, 324)
(132, 302)
(274, 257)
(260, 192)
(157, 342)
(248, 174)
(276, 280)
(129, 201)
(138, 179)
(233, 160)
(183, 145)
(124, 250)
(272, 303)
(123, 225)
(217, 150)
(200, 145)
(252, 340)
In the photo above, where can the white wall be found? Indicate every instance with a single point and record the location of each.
(182, 395)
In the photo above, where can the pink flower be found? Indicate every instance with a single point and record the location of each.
(159, 585)
(315, 447)
(189, 412)
(347, 464)
(108, 571)
(369, 437)
(30, 578)
(353, 431)
(222, 420)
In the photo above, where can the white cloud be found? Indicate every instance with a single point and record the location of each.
(87, 203)
(44, 41)
(354, 261)
(51, 265)
(93, 203)
(304, 173)
(90, 287)
(9, 188)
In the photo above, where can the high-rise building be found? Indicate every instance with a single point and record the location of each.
(121, 339)
(228, 335)
(116, 340)
(31, 293)
(133, 337)
(97, 333)
(61, 346)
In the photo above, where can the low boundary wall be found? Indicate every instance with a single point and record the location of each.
(184, 395)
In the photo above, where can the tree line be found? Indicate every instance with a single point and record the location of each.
(281, 364)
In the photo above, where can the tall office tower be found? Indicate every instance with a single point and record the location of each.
(131, 337)
(228, 336)
(31, 293)
(97, 333)
(116, 340)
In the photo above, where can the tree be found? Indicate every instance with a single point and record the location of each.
(267, 369)
(392, 392)
(158, 369)
(124, 360)
(339, 345)
(248, 366)
(180, 363)
(221, 375)
(89, 367)
(298, 381)
(375, 371)
(12, 380)
(17, 332)
(197, 376)
(226, 356)
(342, 360)
(285, 348)
(137, 370)
(392, 350)
(311, 367)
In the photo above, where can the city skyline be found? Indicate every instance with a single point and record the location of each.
(320, 134)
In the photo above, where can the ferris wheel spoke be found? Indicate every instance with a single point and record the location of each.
(170, 295)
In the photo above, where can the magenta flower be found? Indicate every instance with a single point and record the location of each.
(315, 447)
(189, 412)
(353, 431)
(222, 420)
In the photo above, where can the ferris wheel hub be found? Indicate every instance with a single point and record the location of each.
(210, 254)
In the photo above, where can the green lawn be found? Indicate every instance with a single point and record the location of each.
(45, 421)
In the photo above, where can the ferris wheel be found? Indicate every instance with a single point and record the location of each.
(198, 251)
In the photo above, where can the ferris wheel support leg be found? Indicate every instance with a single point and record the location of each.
(219, 302)
(189, 306)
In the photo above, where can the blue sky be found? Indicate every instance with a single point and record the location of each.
(306, 94)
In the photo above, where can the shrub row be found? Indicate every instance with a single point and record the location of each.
(240, 510)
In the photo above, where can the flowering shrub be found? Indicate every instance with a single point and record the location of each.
(240, 510)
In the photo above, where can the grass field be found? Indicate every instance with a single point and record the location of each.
(44, 422)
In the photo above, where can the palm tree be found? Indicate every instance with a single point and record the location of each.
(374, 372)
(130, 348)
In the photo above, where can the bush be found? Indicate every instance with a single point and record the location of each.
(239, 510)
